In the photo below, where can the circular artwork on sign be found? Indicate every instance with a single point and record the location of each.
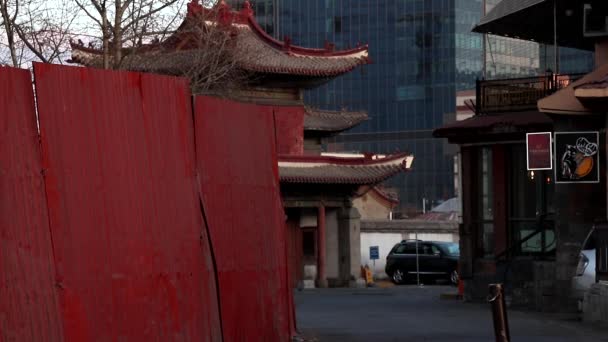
(577, 160)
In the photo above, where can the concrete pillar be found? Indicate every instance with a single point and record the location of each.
(321, 247)
(332, 250)
(350, 245)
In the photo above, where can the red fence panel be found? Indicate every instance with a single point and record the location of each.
(29, 309)
(131, 249)
(238, 171)
(289, 121)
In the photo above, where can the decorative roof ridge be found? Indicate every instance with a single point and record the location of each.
(228, 17)
(80, 46)
(367, 160)
(246, 16)
(328, 51)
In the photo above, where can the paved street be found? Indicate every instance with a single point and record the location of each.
(409, 313)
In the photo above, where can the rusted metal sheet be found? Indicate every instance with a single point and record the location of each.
(131, 250)
(238, 173)
(289, 121)
(29, 309)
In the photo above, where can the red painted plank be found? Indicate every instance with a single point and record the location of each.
(29, 309)
(130, 244)
(238, 170)
(289, 121)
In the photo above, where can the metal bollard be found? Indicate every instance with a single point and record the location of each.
(499, 313)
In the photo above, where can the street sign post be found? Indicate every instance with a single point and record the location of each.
(374, 254)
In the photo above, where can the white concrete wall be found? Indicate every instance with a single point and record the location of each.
(432, 237)
(332, 261)
(386, 241)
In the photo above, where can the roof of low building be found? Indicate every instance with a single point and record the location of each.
(533, 20)
(509, 122)
(410, 226)
(366, 170)
(332, 121)
(255, 50)
(571, 100)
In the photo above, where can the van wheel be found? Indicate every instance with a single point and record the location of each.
(398, 277)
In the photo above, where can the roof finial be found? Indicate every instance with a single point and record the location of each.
(287, 43)
(247, 11)
(194, 7)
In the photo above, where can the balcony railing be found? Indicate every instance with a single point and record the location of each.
(518, 94)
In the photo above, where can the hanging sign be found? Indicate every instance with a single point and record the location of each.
(540, 151)
(577, 157)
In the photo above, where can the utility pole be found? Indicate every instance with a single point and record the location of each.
(484, 37)
(276, 9)
(555, 47)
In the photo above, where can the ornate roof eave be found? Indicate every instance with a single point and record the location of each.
(325, 121)
(260, 53)
(366, 170)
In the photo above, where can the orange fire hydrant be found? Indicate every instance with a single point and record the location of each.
(369, 276)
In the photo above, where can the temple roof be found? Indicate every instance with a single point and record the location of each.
(255, 50)
(533, 20)
(353, 170)
(331, 121)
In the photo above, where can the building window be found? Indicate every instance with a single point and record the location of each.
(530, 198)
(337, 24)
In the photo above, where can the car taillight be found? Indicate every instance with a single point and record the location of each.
(583, 261)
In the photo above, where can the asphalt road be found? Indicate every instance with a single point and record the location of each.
(410, 313)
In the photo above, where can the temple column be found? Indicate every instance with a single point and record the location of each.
(321, 247)
(349, 223)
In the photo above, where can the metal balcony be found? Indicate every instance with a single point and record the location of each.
(518, 94)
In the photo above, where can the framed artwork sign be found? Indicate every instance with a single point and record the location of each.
(577, 157)
(539, 148)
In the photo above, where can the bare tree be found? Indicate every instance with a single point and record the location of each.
(9, 9)
(217, 59)
(127, 23)
(210, 55)
(35, 31)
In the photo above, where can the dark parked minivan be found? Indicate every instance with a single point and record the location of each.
(436, 260)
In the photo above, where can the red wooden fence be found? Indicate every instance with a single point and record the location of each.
(289, 122)
(240, 189)
(130, 245)
(29, 309)
(102, 232)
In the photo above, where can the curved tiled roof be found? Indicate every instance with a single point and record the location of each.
(255, 50)
(367, 170)
(331, 121)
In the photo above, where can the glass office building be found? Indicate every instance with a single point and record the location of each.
(423, 52)
(265, 13)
